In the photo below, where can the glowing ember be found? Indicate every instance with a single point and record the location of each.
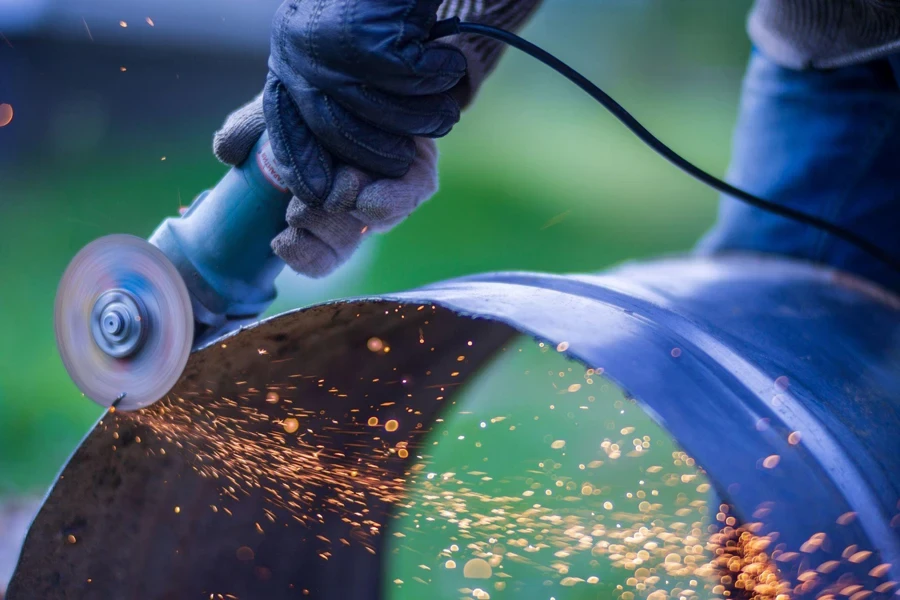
(846, 518)
(373, 421)
(375, 344)
(6, 114)
(291, 425)
(772, 461)
(391, 425)
(477, 568)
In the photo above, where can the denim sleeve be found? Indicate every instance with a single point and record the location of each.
(826, 143)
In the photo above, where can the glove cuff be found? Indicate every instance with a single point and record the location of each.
(483, 53)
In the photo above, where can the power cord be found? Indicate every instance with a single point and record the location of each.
(454, 26)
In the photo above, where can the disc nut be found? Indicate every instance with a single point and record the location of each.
(117, 323)
(113, 321)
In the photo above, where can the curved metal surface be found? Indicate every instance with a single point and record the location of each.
(730, 355)
(765, 347)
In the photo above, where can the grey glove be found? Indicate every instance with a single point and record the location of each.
(322, 235)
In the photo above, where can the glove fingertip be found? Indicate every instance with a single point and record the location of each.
(305, 254)
(227, 151)
(233, 142)
(444, 61)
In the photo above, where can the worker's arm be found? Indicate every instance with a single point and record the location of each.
(355, 94)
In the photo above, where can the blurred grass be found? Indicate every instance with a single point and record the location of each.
(535, 177)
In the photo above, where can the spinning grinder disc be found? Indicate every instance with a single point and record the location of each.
(124, 323)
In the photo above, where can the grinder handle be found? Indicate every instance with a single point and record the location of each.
(221, 245)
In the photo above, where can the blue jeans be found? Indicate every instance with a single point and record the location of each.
(826, 143)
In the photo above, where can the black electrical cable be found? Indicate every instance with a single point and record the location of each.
(455, 26)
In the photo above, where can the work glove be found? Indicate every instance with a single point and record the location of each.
(353, 91)
(321, 235)
(353, 82)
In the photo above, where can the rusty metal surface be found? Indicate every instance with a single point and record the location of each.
(730, 355)
(117, 496)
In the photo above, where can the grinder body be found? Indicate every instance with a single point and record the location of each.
(221, 245)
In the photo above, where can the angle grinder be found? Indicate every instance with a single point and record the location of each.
(129, 311)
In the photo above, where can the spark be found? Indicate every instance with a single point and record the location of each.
(556, 219)
(846, 518)
(88, 29)
(6, 114)
(477, 568)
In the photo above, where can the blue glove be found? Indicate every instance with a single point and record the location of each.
(354, 82)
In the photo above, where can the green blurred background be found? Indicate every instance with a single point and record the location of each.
(112, 129)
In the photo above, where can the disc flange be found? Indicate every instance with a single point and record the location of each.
(93, 305)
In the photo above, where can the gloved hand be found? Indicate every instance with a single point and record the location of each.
(354, 89)
(322, 235)
(356, 80)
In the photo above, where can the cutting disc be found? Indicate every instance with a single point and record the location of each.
(129, 273)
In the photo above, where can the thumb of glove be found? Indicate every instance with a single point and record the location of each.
(241, 130)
